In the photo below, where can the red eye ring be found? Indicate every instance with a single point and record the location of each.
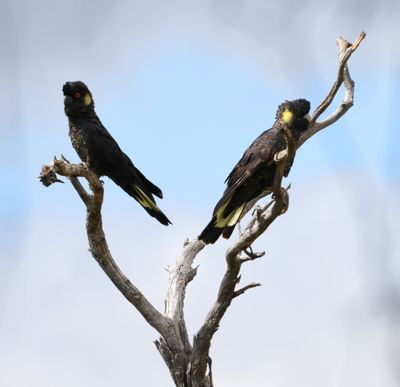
(77, 95)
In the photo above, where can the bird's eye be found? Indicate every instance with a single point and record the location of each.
(77, 95)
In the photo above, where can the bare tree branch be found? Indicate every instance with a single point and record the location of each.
(240, 291)
(98, 244)
(346, 49)
(180, 275)
(251, 255)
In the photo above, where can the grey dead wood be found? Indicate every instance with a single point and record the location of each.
(189, 360)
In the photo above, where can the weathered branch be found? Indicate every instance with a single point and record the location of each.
(251, 255)
(98, 244)
(180, 275)
(346, 49)
(240, 291)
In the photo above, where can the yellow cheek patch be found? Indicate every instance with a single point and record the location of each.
(287, 116)
(87, 99)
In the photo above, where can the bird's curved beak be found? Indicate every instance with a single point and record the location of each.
(67, 88)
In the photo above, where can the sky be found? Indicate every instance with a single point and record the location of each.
(185, 87)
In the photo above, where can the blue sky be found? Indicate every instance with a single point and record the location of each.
(185, 88)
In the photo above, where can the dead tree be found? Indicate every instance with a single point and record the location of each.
(188, 360)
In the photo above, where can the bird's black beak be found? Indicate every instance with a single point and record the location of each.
(67, 88)
(67, 91)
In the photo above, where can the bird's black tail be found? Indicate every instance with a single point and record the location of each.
(228, 231)
(211, 233)
(148, 203)
(148, 184)
(221, 223)
(143, 197)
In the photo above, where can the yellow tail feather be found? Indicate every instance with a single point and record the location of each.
(231, 219)
(235, 217)
(144, 200)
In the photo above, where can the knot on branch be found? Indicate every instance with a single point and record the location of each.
(64, 168)
(48, 176)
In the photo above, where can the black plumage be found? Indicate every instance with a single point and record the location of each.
(101, 153)
(254, 174)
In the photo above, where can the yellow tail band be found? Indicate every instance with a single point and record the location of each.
(231, 219)
(144, 200)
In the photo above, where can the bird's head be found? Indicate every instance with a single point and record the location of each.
(294, 114)
(78, 99)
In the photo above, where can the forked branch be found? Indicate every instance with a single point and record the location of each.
(97, 241)
(346, 49)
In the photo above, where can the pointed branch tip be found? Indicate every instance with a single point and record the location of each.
(240, 291)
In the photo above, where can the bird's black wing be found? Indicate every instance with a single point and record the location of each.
(107, 158)
(106, 155)
(259, 154)
(253, 173)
